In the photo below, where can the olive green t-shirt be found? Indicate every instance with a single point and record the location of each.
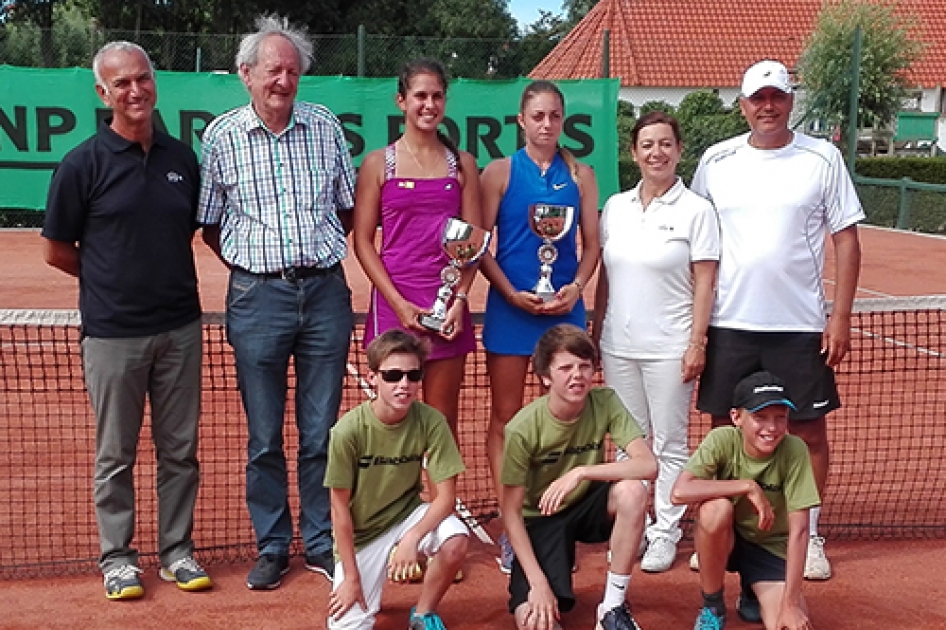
(786, 479)
(540, 448)
(382, 464)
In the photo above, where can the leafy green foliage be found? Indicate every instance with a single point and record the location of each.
(887, 50)
(919, 169)
(704, 121)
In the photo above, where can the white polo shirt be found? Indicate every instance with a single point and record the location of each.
(775, 208)
(647, 255)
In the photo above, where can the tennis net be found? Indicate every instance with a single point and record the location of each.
(888, 440)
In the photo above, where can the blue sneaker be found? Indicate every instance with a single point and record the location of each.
(708, 620)
(747, 606)
(506, 554)
(427, 621)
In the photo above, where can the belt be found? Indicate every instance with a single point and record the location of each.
(293, 274)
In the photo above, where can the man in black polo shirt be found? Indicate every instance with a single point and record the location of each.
(121, 216)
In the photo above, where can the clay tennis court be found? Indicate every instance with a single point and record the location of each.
(877, 583)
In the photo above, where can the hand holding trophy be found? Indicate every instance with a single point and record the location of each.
(464, 244)
(550, 223)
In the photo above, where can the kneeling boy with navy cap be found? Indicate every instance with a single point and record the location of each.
(752, 486)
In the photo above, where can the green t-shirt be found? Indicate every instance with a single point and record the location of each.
(540, 448)
(786, 479)
(382, 464)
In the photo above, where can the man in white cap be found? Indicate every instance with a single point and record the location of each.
(779, 193)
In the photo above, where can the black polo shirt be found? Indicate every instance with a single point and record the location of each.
(133, 216)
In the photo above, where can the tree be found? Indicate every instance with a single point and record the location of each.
(887, 50)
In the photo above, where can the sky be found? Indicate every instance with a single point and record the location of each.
(527, 11)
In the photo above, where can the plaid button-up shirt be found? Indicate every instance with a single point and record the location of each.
(276, 197)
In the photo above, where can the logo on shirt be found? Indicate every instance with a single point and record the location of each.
(380, 460)
(665, 228)
(819, 404)
(768, 487)
(554, 456)
(174, 177)
(559, 186)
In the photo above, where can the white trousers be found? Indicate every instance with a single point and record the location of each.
(372, 563)
(655, 394)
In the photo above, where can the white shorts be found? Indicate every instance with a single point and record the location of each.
(372, 563)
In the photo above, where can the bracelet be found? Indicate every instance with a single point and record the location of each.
(578, 283)
(460, 295)
(699, 345)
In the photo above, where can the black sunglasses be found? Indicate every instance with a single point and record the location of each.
(395, 375)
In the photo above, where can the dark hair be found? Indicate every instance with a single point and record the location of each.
(395, 341)
(656, 118)
(547, 87)
(562, 337)
(426, 65)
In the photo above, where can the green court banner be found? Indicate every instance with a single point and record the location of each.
(44, 113)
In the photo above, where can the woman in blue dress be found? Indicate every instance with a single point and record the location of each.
(540, 172)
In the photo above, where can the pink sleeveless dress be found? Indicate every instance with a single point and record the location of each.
(413, 214)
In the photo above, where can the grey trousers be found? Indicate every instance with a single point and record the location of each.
(119, 373)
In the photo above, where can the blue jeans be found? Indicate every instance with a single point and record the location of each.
(269, 320)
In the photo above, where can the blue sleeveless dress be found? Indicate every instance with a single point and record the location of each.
(506, 328)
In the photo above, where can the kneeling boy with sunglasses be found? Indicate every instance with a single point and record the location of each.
(375, 465)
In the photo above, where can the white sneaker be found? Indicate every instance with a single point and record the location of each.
(817, 566)
(694, 562)
(660, 554)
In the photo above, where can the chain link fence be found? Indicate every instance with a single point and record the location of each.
(380, 55)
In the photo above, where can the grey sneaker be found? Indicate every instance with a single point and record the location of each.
(660, 554)
(188, 575)
(618, 618)
(817, 566)
(122, 582)
(267, 573)
(506, 554)
(321, 563)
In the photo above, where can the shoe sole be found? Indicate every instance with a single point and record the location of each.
(267, 587)
(817, 577)
(132, 592)
(659, 569)
(502, 568)
(321, 571)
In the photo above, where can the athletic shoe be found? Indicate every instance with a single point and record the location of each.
(506, 554)
(321, 563)
(427, 621)
(708, 620)
(188, 575)
(817, 566)
(747, 606)
(660, 554)
(122, 582)
(694, 562)
(618, 618)
(267, 573)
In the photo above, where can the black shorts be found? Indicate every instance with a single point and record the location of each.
(795, 357)
(754, 563)
(553, 542)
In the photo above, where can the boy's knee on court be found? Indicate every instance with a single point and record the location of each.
(715, 516)
(628, 498)
(453, 550)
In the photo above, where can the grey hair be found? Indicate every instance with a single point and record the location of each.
(267, 25)
(124, 46)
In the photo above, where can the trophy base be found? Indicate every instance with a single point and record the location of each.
(545, 296)
(431, 323)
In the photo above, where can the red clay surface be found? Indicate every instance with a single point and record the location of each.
(877, 584)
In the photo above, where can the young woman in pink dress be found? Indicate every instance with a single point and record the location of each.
(412, 187)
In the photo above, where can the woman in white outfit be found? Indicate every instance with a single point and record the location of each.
(660, 248)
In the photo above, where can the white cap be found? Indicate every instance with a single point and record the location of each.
(764, 74)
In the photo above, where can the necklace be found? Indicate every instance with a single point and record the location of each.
(410, 150)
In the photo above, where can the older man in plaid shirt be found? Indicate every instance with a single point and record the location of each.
(276, 199)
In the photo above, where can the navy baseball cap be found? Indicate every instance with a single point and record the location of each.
(760, 390)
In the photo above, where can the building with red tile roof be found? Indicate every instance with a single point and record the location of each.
(664, 49)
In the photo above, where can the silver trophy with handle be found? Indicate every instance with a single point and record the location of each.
(550, 223)
(464, 244)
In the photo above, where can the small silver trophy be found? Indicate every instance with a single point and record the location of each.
(550, 223)
(464, 244)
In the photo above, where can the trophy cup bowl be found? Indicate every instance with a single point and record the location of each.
(464, 244)
(550, 223)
